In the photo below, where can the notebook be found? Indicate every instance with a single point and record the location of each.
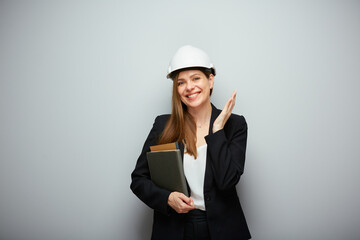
(166, 167)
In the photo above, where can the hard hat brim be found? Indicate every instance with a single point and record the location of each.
(174, 72)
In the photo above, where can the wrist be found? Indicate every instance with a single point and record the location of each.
(216, 128)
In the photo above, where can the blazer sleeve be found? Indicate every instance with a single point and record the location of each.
(141, 185)
(226, 152)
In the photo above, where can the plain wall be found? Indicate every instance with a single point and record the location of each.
(82, 81)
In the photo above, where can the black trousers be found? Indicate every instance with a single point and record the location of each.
(196, 227)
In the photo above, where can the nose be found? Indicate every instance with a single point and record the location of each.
(189, 86)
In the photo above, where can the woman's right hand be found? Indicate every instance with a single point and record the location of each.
(221, 120)
(180, 203)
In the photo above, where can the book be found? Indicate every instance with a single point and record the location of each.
(166, 167)
(164, 147)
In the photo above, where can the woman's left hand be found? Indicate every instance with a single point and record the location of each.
(225, 114)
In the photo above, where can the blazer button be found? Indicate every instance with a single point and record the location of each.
(207, 198)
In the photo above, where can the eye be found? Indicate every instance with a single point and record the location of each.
(196, 78)
(180, 83)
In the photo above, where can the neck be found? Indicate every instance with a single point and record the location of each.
(201, 114)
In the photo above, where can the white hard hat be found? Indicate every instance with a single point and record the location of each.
(189, 56)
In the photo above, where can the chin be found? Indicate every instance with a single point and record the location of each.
(194, 105)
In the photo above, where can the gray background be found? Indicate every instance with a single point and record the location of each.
(82, 81)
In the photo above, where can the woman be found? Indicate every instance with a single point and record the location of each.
(212, 143)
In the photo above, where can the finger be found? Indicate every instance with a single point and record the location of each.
(233, 98)
(233, 95)
(186, 200)
(184, 208)
(232, 106)
(227, 105)
(191, 202)
(230, 102)
(188, 207)
(183, 197)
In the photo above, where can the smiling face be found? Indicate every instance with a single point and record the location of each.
(194, 88)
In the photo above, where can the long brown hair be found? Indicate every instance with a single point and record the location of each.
(181, 126)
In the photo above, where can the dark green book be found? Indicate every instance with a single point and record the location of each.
(166, 170)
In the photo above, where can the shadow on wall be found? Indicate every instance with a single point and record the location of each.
(142, 223)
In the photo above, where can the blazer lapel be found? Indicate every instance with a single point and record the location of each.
(208, 173)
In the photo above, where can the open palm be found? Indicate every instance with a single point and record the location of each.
(221, 120)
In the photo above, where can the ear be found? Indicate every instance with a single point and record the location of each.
(211, 80)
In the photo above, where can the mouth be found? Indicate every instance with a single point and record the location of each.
(192, 95)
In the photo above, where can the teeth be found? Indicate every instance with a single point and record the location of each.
(193, 95)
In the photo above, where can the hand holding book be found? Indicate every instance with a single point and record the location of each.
(180, 203)
(166, 171)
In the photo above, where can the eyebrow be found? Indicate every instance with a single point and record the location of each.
(194, 75)
(191, 76)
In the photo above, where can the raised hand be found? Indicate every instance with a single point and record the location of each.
(225, 114)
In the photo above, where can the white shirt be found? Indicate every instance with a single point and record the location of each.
(194, 170)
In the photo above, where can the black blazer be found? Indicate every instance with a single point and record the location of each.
(224, 166)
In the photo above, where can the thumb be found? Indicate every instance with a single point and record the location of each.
(190, 202)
